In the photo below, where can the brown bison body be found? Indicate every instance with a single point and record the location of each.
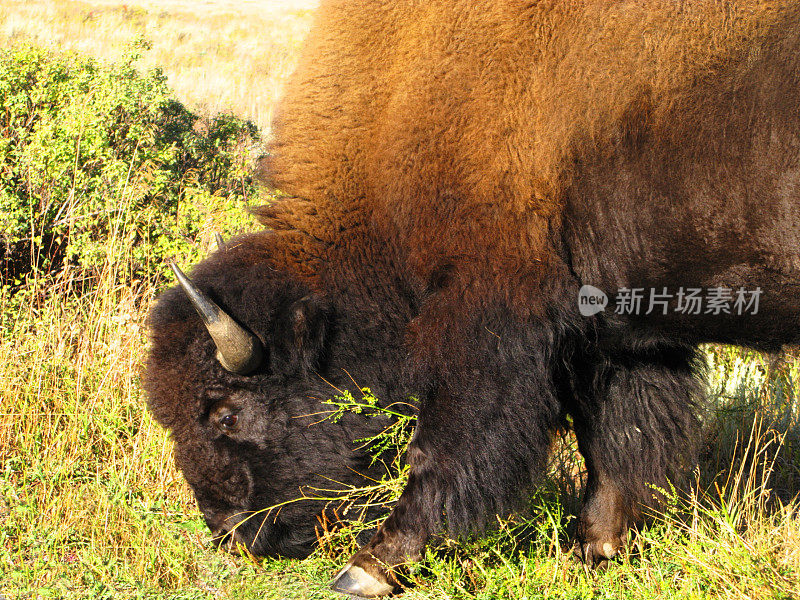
(456, 172)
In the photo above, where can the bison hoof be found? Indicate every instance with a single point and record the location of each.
(356, 582)
(595, 554)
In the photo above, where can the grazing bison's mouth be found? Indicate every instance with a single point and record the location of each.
(262, 535)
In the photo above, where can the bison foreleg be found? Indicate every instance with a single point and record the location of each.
(479, 445)
(636, 427)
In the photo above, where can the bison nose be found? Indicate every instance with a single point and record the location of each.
(227, 538)
(223, 531)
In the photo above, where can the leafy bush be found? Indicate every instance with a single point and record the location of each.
(100, 164)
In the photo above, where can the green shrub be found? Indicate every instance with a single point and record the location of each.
(100, 165)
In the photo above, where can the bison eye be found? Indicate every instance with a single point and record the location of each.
(228, 422)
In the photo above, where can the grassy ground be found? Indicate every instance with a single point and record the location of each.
(92, 507)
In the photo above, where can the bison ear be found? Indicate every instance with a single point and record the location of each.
(300, 337)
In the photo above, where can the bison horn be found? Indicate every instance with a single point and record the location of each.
(238, 350)
(220, 242)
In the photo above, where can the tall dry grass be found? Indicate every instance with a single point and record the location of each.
(218, 56)
(87, 478)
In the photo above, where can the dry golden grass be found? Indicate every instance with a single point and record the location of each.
(219, 56)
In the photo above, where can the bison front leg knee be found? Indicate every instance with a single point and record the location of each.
(635, 423)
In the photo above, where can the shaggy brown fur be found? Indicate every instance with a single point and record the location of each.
(510, 146)
(455, 171)
(461, 121)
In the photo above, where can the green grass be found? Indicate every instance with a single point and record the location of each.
(91, 505)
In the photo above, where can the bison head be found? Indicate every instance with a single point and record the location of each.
(242, 356)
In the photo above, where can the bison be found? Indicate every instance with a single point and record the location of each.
(467, 184)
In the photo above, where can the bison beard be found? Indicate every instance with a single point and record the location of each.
(455, 172)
